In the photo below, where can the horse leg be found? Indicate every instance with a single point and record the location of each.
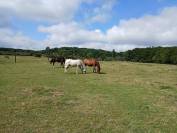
(62, 64)
(85, 69)
(94, 69)
(53, 63)
(80, 68)
(65, 69)
(77, 69)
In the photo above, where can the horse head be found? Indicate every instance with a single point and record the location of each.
(84, 70)
(51, 60)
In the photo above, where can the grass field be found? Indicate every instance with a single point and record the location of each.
(126, 97)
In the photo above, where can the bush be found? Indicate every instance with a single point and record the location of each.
(37, 55)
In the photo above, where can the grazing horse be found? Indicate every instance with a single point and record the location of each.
(77, 63)
(94, 63)
(60, 59)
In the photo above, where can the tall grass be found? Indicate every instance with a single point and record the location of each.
(126, 97)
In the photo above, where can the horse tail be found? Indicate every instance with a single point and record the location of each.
(98, 67)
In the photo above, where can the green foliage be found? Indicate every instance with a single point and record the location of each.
(113, 54)
(164, 55)
(68, 52)
(74, 52)
(19, 52)
(37, 55)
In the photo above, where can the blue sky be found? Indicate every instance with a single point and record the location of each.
(106, 24)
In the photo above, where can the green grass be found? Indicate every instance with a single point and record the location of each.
(126, 97)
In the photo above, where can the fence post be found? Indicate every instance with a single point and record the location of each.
(15, 56)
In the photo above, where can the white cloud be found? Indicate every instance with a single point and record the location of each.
(153, 30)
(149, 30)
(102, 13)
(71, 34)
(5, 21)
(56, 10)
(11, 39)
(41, 10)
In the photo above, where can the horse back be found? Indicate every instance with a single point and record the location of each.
(90, 62)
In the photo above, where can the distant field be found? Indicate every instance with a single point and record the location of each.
(126, 97)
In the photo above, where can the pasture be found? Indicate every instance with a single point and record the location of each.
(125, 97)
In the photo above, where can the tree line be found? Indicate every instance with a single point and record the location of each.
(74, 52)
(19, 52)
(165, 55)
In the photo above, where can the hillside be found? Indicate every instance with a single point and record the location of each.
(164, 55)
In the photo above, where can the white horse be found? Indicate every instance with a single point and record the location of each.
(76, 63)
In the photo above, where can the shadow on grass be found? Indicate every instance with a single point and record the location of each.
(102, 73)
(58, 67)
(90, 72)
(73, 73)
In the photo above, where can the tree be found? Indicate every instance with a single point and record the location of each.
(47, 48)
(113, 53)
(48, 51)
(15, 56)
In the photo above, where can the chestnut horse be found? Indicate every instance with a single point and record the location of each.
(94, 63)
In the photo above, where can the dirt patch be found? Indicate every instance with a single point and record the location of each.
(167, 102)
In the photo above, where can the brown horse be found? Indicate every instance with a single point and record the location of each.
(94, 63)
